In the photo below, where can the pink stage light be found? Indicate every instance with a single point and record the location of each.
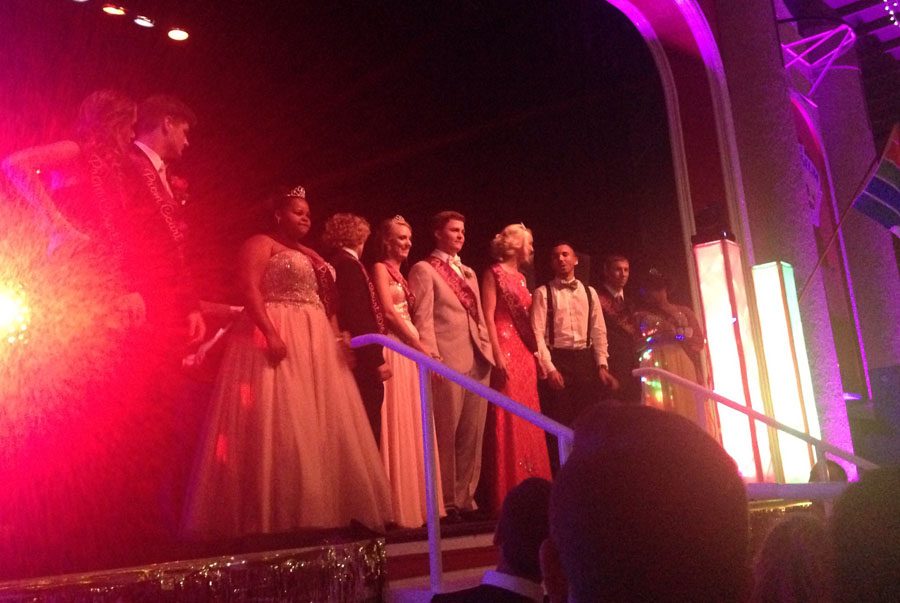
(732, 351)
(144, 21)
(178, 34)
(114, 9)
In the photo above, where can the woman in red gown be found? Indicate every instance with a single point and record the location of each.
(513, 448)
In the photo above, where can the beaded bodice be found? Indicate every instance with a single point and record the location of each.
(289, 277)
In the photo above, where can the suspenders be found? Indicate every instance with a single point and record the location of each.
(550, 315)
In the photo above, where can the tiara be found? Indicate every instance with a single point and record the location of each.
(297, 192)
(399, 219)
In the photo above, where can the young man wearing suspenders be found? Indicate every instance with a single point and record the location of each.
(571, 339)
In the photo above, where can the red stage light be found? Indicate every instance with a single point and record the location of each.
(114, 9)
(178, 34)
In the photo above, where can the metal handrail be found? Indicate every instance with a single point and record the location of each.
(701, 394)
(426, 366)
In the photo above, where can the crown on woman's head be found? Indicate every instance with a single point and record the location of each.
(399, 219)
(298, 192)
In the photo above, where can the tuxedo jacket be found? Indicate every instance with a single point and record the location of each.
(483, 593)
(444, 325)
(156, 234)
(621, 336)
(355, 313)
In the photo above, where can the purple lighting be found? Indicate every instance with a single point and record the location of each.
(816, 54)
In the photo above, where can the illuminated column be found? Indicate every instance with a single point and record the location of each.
(787, 366)
(732, 351)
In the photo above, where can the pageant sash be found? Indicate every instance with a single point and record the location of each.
(460, 288)
(324, 279)
(519, 313)
(618, 314)
(377, 312)
(165, 203)
(398, 278)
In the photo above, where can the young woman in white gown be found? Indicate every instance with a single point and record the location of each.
(287, 442)
(401, 413)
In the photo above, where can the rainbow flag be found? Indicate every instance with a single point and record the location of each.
(880, 200)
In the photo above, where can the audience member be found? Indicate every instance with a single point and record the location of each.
(522, 528)
(647, 508)
(795, 562)
(865, 529)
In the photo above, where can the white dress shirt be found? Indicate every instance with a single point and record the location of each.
(570, 322)
(520, 586)
(158, 164)
(453, 260)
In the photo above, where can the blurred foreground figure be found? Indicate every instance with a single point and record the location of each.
(522, 528)
(647, 508)
(865, 528)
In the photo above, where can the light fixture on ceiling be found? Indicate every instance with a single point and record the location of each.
(178, 34)
(144, 21)
(114, 9)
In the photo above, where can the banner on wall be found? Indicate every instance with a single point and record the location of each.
(880, 200)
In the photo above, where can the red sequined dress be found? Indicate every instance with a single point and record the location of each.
(514, 449)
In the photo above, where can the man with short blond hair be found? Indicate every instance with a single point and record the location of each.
(451, 325)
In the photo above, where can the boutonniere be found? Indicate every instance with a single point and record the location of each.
(467, 272)
(179, 188)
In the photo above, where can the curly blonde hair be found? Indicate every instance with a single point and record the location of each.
(345, 230)
(508, 240)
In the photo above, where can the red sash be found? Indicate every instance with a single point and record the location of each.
(324, 279)
(165, 203)
(519, 313)
(461, 288)
(398, 278)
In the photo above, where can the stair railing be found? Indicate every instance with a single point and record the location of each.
(428, 367)
(822, 490)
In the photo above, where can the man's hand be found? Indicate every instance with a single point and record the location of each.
(607, 379)
(196, 328)
(384, 372)
(555, 380)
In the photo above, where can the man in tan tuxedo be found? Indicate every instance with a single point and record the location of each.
(451, 326)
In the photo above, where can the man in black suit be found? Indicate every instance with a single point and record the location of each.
(359, 312)
(621, 332)
(157, 227)
(522, 528)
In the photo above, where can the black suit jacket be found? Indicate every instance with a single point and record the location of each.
(355, 313)
(621, 342)
(155, 238)
(483, 593)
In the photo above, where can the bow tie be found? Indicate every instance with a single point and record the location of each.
(571, 285)
(455, 261)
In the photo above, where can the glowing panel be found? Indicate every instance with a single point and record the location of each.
(735, 371)
(787, 365)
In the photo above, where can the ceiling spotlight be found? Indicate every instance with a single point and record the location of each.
(178, 34)
(114, 9)
(79, 1)
(144, 21)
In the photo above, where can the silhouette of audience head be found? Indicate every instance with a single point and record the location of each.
(795, 562)
(833, 472)
(523, 526)
(865, 529)
(648, 507)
